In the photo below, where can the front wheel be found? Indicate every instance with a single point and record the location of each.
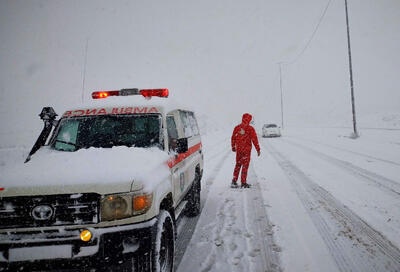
(160, 258)
(164, 245)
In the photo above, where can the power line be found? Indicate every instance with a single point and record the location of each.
(299, 55)
(312, 35)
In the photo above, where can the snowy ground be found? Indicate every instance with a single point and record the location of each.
(320, 201)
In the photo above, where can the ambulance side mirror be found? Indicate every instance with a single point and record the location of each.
(48, 115)
(181, 145)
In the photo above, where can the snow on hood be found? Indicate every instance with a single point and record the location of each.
(93, 166)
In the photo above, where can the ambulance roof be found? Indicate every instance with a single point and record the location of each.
(125, 105)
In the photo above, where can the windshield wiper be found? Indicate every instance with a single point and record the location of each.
(65, 142)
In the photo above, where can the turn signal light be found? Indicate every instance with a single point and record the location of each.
(86, 235)
(141, 203)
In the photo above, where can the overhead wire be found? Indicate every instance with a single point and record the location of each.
(311, 37)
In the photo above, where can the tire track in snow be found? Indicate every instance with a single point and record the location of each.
(187, 225)
(224, 237)
(353, 244)
(247, 245)
(219, 143)
(217, 149)
(235, 234)
(223, 230)
(225, 223)
(350, 151)
(213, 174)
(256, 215)
(385, 184)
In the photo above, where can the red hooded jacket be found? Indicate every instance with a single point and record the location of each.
(243, 135)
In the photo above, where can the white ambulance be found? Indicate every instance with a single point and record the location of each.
(103, 186)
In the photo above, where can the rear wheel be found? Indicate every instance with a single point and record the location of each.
(194, 203)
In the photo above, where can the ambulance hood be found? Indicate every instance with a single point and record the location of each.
(98, 170)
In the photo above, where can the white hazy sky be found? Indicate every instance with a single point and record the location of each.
(219, 56)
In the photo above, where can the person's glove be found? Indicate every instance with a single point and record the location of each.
(233, 149)
(258, 153)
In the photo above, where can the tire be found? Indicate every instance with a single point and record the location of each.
(161, 256)
(163, 248)
(194, 202)
(139, 263)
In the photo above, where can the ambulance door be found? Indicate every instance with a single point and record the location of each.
(177, 165)
(190, 156)
(195, 144)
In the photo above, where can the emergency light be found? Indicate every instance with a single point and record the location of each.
(147, 93)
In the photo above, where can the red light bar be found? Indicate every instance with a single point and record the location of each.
(155, 92)
(147, 93)
(97, 95)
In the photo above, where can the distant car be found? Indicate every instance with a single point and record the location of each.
(271, 130)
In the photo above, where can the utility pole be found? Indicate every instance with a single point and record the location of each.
(280, 84)
(355, 132)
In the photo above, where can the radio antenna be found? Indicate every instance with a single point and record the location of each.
(84, 69)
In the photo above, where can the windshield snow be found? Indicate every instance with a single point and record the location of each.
(108, 131)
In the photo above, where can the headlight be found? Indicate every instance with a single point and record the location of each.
(116, 207)
(121, 206)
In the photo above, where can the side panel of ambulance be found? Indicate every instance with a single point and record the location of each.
(187, 168)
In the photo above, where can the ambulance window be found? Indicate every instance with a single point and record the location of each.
(172, 132)
(193, 123)
(109, 130)
(187, 128)
(171, 127)
(66, 137)
(140, 125)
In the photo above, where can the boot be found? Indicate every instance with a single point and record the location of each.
(234, 184)
(245, 185)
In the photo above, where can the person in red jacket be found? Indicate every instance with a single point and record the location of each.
(243, 137)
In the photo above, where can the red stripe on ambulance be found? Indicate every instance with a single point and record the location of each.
(180, 157)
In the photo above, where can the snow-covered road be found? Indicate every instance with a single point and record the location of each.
(319, 202)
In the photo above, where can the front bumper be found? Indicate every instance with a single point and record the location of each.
(60, 248)
(266, 135)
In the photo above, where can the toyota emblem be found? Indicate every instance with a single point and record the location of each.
(42, 212)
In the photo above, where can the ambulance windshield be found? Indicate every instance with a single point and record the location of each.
(108, 131)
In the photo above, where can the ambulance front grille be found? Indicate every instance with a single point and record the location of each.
(60, 210)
